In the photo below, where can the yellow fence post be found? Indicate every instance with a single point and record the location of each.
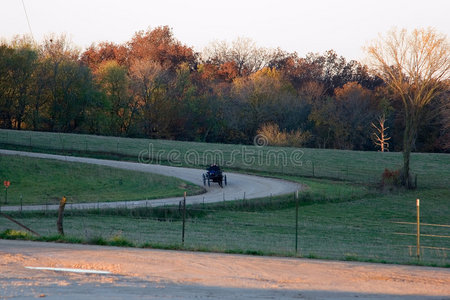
(418, 228)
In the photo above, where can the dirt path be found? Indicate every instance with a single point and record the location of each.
(238, 184)
(158, 274)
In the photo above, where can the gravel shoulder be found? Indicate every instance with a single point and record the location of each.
(159, 274)
(239, 185)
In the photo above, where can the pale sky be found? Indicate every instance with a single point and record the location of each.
(301, 26)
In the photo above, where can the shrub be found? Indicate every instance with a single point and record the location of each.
(276, 137)
(97, 240)
(391, 178)
(120, 241)
(11, 234)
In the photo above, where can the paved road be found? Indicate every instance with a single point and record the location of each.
(158, 274)
(238, 184)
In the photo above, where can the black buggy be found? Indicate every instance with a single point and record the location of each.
(214, 174)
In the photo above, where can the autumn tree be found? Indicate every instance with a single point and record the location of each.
(95, 55)
(6, 102)
(23, 77)
(159, 45)
(301, 71)
(356, 107)
(209, 72)
(334, 71)
(67, 85)
(264, 96)
(194, 109)
(18, 62)
(343, 121)
(114, 82)
(414, 65)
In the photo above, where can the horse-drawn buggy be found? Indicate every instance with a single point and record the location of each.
(214, 174)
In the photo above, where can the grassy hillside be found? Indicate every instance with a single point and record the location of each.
(40, 181)
(432, 169)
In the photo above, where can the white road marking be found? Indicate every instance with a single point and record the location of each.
(70, 270)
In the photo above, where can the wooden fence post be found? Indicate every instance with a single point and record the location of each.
(59, 223)
(184, 218)
(296, 222)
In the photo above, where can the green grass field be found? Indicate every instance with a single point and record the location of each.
(42, 181)
(366, 167)
(343, 213)
(355, 224)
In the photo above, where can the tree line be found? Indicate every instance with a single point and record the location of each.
(155, 86)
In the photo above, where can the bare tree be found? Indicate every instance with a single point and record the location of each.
(381, 138)
(148, 83)
(59, 47)
(244, 52)
(146, 75)
(415, 65)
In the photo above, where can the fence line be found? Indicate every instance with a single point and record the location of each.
(419, 234)
(429, 235)
(422, 224)
(241, 230)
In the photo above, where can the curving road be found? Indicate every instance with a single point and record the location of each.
(239, 185)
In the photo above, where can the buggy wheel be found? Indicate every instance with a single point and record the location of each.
(225, 179)
(204, 179)
(209, 182)
(221, 182)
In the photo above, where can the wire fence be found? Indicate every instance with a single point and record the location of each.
(429, 237)
(245, 228)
